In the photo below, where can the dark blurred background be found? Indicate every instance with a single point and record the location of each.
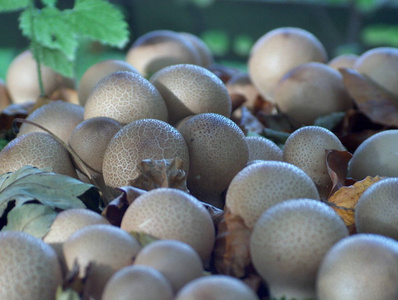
(230, 27)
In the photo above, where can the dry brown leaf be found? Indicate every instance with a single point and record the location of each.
(346, 198)
(249, 123)
(237, 100)
(374, 101)
(166, 173)
(115, 210)
(231, 255)
(337, 166)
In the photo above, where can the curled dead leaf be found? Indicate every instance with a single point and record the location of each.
(165, 173)
(337, 166)
(344, 200)
(231, 255)
(374, 101)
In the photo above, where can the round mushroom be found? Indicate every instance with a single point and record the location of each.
(288, 243)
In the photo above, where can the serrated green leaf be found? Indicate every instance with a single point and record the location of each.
(11, 5)
(52, 30)
(56, 60)
(67, 294)
(31, 218)
(100, 20)
(50, 3)
(31, 184)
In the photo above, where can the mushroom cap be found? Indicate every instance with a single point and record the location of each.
(206, 57)
(359, 267)
(311, 90)
(261, 148)
(216, 287)
(29, 268)
(106, 248)
(22, 79)
(217, 152)
(172, 214)
(139, 140)
(59, 117)
(381, 65)
(288, 243)
(377, 155)
(161, 48)
(177, 261)
(261, 185)
(343, 61)
(277, 52)
(126, 97)
(37, 149)
(137, 283)
(305, 148)
(90, 139)
(377, 209)
(190, 90)
(98, 71)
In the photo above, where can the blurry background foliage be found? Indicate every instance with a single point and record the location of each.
(230, 27)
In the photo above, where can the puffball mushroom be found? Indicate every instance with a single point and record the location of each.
(191, 90)
(37, 149)
(29, 268)
(377, 209)
(305, 148)
(343, 61)
(59, 117)
(68, 222)
(22, 79)
(288, 243)
(205, 55)
(90, 139)
(98, 71)
(261, 148)
(279, 51)
(217, 152)
(172, 214)
(138, 283)
(381, 65)
(126, 97)
(216, 287)
(139, 140)
(177, 261)
(105, 249)
(161, 48)
(263, 184)
(311, 90)
(380, 152)
(359, 267)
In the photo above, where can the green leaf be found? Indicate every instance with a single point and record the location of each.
(11, 5)
(56, 60)
(31, 218)
(50, 3)
(31, 184)
(53, 30)
(143, 238)
(330, 121)
(100, 20)
(66, 294)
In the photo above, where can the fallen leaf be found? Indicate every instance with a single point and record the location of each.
(231, 255)
(59, 192)
(346, 198)
(143, 238)
(249, 123)
(163, 173)
(337, 166)
(237, 100)
(371, 99)
(330, 121)
(31, 218)
(115, 210)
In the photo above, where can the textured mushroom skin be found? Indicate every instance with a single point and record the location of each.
(37, 149)
(139, 140)
(125, 97)
(29, 268)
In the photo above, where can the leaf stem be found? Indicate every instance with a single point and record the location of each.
(34, 47)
